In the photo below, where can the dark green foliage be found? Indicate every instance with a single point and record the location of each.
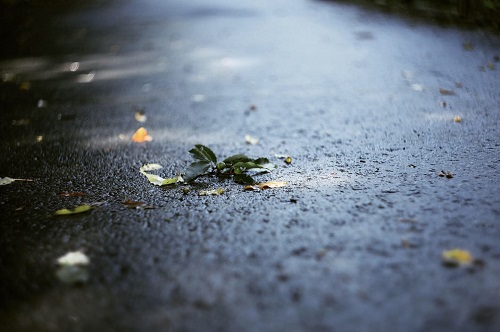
(237, 166)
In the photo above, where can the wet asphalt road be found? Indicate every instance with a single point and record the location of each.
(353, 242)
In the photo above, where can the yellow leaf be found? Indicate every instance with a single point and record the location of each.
(217, 192)
(457, 257)
(78, 209)
(156, 179)
(457, 119)
(251, 188)
(141, 135)
(271, 184)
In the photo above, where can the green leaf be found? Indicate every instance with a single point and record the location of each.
(196, 169)
(221, 166)
(78, 209)
(254, 166)
(243, 178)
(236, 159)
(203, 153)
(261, 161)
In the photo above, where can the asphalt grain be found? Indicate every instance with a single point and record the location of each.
(365, 103)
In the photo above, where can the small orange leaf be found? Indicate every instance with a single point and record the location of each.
(141, 135)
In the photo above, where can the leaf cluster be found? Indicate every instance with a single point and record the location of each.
(239, 166)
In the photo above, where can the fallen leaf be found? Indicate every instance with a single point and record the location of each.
(445, 92)
(251, 188)
(74, 258)
(271, 184)
(78, 209)
(447, 175)
(251, 140)
(7, 180)
(156, 179)
(457, 119)
(288, 160)
(141, 135)
(159, 181)
(71, 194)
(456, 257)
(216, 192)
(140, 116)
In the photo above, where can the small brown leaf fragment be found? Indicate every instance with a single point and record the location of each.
(447, 175)
(442, 104)
(133, 204)
(288, 160)
(446, 92)
(137, 205)
(457, 119)
(72, 194)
